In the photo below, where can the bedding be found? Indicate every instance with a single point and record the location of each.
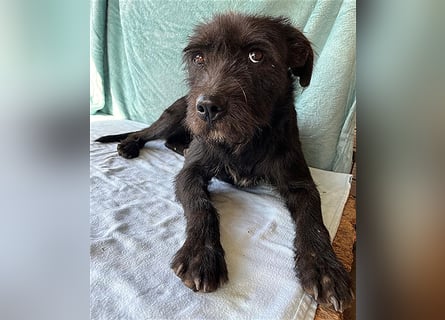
(137, 226)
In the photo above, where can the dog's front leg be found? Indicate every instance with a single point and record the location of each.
(316, 265)
(200, 262)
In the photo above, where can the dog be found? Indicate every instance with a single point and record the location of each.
(238, 123)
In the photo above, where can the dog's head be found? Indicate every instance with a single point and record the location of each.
(239, 68)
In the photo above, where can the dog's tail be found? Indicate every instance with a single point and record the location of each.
(113, 137)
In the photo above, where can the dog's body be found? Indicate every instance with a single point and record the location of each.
(238, 123)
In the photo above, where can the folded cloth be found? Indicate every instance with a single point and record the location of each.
(137, 226)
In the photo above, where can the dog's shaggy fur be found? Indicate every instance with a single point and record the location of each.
(238, 124)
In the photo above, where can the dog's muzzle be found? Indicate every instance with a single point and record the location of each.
(209, 108)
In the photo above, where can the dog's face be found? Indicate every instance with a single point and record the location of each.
(239, 67)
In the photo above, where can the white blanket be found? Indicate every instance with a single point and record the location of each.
(137, 226)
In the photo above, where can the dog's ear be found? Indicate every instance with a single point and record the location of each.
(300, 55)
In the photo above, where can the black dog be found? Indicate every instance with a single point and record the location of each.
(238, 124)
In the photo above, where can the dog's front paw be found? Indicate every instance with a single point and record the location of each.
(129, 148)
(326, 280)
(201, 268)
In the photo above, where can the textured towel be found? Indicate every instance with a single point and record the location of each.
(137, 226)
(136, 69)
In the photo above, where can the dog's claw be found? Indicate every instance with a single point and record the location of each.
(315, 293)
(198, 284)
(352, 294)
(334, 302)
(179, 269)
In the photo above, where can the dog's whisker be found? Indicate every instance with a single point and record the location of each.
(244, 92)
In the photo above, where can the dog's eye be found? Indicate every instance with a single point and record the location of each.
(198, 59)
(255, 56)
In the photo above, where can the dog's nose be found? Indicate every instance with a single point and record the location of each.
(209, 108)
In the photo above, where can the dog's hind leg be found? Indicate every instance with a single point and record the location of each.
(170, 127)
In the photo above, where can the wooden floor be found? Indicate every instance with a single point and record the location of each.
(350, 314)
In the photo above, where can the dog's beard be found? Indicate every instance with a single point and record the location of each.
(232, 129)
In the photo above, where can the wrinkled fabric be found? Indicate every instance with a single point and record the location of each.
(137, 226)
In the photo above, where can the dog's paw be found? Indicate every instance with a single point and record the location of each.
(201, 269)
(326, 280)
(129, 148)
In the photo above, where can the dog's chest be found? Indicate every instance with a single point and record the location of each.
(240, 169)
(239, 177)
